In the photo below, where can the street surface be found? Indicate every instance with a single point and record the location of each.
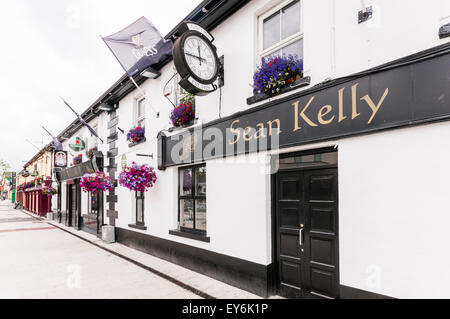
(41, 261)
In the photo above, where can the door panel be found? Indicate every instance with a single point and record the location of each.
(307, 205)
(321, 197)
(288, 228)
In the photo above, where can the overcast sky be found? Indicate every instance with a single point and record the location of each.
(52, 48)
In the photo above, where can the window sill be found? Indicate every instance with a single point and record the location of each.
(140, 227)
(136, 144)
(264, 96)
(182, 127)
(198, 237)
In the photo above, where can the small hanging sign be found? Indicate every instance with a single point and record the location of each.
(60, 159)
(78, 145)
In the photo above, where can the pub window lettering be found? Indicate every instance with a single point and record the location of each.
(280, 31)
(192, 199)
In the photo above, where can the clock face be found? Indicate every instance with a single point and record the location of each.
(200, 58)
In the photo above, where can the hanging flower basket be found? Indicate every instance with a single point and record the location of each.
(138, 178)
(77, 160)
(183, 114)
(27, 186)
(39, 181)
(276, 72)
(49, 191)
(96, 182)
(136, 135)
(90, 152)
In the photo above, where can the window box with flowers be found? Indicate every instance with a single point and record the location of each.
(77, 160)
(136, 136)
(277, 75)
(184, 114)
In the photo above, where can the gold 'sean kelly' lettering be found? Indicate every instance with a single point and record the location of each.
(247, 131)
(235, 131)
(324, 111)
(302, 115)
(375, 108)
(355, 113)
(341, 105)
(324, 115)
(261, 132)
(270, 123)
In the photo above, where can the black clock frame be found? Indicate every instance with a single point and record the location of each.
(184, 69)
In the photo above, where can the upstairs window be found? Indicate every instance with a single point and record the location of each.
(140, 112)
(281, 31)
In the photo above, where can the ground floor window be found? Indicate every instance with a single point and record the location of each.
(140, 208)
(192, 198)
(92, 203)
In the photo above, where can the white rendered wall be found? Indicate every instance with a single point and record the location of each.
(238, 196)
(394, 216)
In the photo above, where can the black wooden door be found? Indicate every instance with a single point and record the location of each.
(92, 222)
(69, 200)
(307, 233)
(74, 206)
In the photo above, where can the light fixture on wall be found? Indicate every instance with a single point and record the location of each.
(444, 31)
(106, 107)
(151, 73)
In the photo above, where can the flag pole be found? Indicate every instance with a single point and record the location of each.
(144, 96)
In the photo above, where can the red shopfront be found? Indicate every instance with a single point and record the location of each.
(36, 202)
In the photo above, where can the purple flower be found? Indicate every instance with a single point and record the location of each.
(136, 135)
(273, 73)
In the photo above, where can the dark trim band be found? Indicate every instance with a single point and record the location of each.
(237, 272)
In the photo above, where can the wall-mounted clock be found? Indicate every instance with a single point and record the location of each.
(196, 59)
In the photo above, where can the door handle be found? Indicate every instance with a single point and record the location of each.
(301, 236)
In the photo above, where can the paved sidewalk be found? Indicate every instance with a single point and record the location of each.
(205, 284)
(40, 259)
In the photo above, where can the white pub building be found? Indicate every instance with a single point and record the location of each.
(334, 186)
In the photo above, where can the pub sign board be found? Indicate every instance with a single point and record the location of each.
(397, 96)
(60, 159)
(76, 172)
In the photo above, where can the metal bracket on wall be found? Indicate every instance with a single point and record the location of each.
(365, 15)
(444, 31)
(144, 155)
(221, 71)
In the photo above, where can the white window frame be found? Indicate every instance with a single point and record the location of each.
(178, 89)
(138, 118)
(285, 42)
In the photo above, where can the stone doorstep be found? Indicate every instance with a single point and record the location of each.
(201, 282)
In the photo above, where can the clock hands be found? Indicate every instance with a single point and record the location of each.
(199, 54)
(197, 57)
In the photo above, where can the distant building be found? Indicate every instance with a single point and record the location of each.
(31, 181)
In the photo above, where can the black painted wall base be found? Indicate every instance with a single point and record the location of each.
(354, 293)
(237, 272)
